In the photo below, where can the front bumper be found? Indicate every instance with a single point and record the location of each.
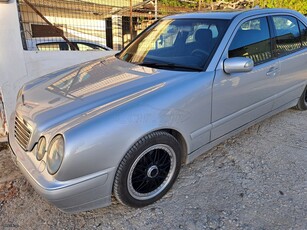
(75, 195)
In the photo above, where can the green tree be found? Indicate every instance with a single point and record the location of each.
(300, 6)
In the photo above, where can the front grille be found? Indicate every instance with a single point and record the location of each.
(22, 132)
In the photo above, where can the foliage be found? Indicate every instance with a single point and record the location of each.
(300, 6)
(175, 3)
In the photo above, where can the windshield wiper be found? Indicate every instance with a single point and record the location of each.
(169, 65)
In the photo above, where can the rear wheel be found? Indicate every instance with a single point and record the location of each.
(302, 103)
(148, 170)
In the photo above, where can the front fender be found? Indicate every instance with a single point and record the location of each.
(100, 139)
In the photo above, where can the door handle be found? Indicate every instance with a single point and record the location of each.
(272, 72)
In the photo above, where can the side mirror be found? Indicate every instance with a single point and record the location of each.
(238, 65)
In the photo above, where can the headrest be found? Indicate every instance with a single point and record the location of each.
(202, 35)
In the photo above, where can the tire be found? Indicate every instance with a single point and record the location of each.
(302, 103)
(148, 170)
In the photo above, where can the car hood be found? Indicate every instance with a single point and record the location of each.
(56, 98)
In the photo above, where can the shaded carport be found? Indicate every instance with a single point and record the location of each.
(106, 22)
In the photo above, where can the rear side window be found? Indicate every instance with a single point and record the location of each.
(288, 36)
(252, 40)
(87, 47)
(303, 29)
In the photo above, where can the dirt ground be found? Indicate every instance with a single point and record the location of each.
(255, 180)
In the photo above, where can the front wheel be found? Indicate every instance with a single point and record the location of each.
(302, 103)
(148, 170)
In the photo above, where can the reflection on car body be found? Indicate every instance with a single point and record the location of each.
(125, 124)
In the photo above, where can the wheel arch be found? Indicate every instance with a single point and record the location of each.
(177, 135)
(180, 138)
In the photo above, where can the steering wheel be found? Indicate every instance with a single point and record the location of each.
(200, 53)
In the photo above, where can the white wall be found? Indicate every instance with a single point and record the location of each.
(18, 66)
(39, 63)
(12, 65)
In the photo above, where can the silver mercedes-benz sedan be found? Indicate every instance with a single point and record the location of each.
(124, 124)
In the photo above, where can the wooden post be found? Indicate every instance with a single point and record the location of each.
(156, 10)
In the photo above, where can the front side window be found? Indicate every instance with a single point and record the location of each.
(180, 44)
(252, 40)
(287, 34)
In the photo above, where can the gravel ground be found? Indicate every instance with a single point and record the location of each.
(255, 180)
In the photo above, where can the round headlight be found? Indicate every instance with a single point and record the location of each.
(55, 154)
(41, 148)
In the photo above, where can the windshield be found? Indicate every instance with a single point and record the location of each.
(176, 44)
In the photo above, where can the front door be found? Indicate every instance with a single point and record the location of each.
(240, 98)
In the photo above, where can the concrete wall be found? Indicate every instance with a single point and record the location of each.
(18, 66)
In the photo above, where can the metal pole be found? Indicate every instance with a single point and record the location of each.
(156, 10)
(131, 23)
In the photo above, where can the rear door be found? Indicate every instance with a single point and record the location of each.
(240, 98)
(290, 47)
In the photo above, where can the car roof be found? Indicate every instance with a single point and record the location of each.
(207, 15)
(32, 42)
(59, 39)
(230, 14)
